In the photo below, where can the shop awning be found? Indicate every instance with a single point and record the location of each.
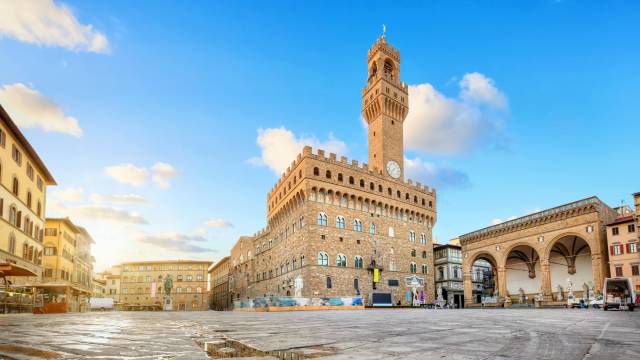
(9, 269)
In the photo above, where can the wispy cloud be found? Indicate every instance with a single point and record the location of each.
(161, 174)
(45, 23)
(176, 242)
(439, 176)
(218, 223)
(118, 199)
(30, 109)
(96, 212)
(280, 146)
(69, 194)
(444, 125)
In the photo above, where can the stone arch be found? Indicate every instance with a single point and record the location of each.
(572, 256)
(523, 270)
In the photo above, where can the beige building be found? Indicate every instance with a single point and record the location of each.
(219, 285)
(99, 287)
(23, 180)
(68, 264)
(624, 248)
(142, 284)
(337, 228)
(542, 254)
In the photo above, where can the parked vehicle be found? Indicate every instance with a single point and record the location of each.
(596, 302)
(573, 302)
(618, 294)
(101, 304)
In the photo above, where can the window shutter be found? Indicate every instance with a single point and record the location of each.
(621, 249)
(628, 248)
(611, 249)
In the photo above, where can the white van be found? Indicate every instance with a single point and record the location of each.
(101, 304)
(618, 294)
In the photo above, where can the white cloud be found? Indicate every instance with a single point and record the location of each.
(118, 199)
(69, 194)
(440, 124)
(96, 212)
(438, 176)
(30, 109)
(175, 242)
(44, 23)
(128, 174)
(280, 147)
(218, 223)
(163, 173)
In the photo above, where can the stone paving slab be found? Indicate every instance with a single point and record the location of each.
(468, 334)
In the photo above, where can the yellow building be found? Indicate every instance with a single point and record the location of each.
(99, 289)
(142, 284)
(219, 296)
(67, 265)
(23, 179)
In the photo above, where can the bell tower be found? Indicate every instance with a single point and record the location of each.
(385, 103)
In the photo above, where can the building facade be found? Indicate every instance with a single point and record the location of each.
(541, 255)
(23, 184)
(68, 264)
(220, 298)
(624, 248)
(339, 229)
(142, 284)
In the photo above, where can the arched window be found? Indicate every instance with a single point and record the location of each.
(329, 285)
(340, 222)
(392, 232)
(357, 225)
(301, 221)
(328, 174)
(423, 239)
(316, 171)
(301, 260)
(379, 188)
(351, 180)
(29, 199)
(371, 186)
(322, 219)
(398, 194)
(361, 183)
(13, 215)
(339, 177)
(413, 268)
(357, 262)
(323, 259)
(412, 236)
(341, 260)
(372, 228)
(413, 252)
(16, 186)
(12, 243)
(424, 254)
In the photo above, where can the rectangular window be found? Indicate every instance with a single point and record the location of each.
(30, 171)
(618, 271)
(615, 231)
(617, 249)
(633, 248)
(635, 270)
(16, 155)
(631, 228)
(39, 182)
(51, 232)
(3, 138)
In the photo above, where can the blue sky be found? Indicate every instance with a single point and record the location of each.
(539, 107)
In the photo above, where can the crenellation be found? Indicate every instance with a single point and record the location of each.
(332, 157)
(343, 159)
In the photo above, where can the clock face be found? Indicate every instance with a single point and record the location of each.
(393, 169)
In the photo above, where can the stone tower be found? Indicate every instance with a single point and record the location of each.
(385, 103)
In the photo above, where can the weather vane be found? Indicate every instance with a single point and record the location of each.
(384, 29)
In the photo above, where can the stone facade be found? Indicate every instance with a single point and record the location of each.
(220, 298)
(142, 284)
(23, 184)
(332, 224)
(533, 240)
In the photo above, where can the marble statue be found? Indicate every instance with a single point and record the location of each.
(585, 291)
(569, 287)
(298, 285)
(559, 295)
(521, 297)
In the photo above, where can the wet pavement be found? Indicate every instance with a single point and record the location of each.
(369, 334)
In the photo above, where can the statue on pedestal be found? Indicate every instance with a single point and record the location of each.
(298, 285)
(569, 287)
(559, 294)
(521, 297)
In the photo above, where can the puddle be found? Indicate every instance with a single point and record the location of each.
(226, 348)
(21, 350)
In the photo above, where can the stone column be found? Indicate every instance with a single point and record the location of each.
(545, 272)
(502, 283)
(468, 289)
(597, 272)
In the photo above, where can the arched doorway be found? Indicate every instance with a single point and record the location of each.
(523, 274)
(484, 279)
(570, 264)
